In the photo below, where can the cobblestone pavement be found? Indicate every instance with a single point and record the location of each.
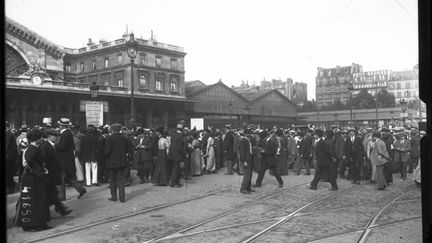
(223, 214)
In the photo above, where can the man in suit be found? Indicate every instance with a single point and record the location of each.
(402, 148)
(176, 155)
(353, 155)
(65, 152)
(269, 160)
(379, 157)
(145, 156)
(88, 155)
(228, 150)
(291, 149)
(118, 150)
(245, 155)
(101, 157)
(54, 167)
(304, 150)
(325, 156)
(339, 147)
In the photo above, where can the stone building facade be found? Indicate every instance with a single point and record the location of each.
(332, 83)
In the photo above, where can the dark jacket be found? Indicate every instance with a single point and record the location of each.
(65, 151)
(270, 150)
(228, 146)
(354, 151)
(145, 149)
(245, 148)
(339, 146)
(11, 151)
(324, 153)
(177, 147)
(304, 149)
(118, 150)
(101, 147)
(88, 148)
(415, 146)
(52, 163)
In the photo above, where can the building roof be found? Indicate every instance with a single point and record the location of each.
(32, 37)
(193, 86)
(254, 97)
(219, 83)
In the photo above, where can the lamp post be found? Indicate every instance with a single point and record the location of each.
(392, 117)
(376, 102)
(132, 53)
(403, 104)
(350, 89)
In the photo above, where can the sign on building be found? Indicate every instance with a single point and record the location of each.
(198, 123)
(83, 104)
(371, 80)
(94, 113)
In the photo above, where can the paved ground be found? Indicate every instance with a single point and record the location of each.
(221, 214)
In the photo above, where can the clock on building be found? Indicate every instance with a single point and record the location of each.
(36, 79)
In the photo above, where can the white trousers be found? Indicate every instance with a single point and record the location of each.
(91, 172)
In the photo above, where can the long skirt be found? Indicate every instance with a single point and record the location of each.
(161, 176)
(33, 206)
(379, 175)
(211, 160)
(196, 162)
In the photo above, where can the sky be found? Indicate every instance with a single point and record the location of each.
(242, 40)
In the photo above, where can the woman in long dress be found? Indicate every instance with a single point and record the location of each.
(161, 176)
(211, 159)
(196, 156)
(379, 156)
(33, 206)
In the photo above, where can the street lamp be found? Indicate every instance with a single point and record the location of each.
(403, 104)
(392, 117)
(350, 89)
(132, 53)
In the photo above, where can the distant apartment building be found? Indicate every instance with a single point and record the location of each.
(404, 85)
(296, 92)
(332, 83)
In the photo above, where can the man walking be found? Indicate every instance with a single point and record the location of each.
(304, 150)
(65, 152)
(118, 150)
(325, 157)
(269, 160)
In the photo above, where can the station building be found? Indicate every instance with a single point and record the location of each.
(44, 79)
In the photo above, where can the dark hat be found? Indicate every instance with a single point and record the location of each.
(248, 131)
(34, 135)
(376, 134)
(64, 122)
(24, 128)
(159, 129)
(385, 129)
(351, 129)
(52, 132)
(140, 131)
(329, 133)
(116, 127)
(105, 130)
(319, 132)
(344, 131)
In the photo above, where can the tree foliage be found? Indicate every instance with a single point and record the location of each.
(386, 99)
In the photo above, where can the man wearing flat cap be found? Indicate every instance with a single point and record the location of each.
(54, 167)
(66, 154)
(118, 150)
(144, 156)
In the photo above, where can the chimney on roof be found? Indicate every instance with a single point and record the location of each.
(90, 42)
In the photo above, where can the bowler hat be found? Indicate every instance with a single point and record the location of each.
(64, 122)
(116, 126)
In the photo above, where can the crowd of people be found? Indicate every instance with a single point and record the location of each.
(42, 159)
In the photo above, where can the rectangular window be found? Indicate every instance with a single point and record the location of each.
(174, 63)
(120, 59)
(119, 79)
(68, 67)
(106, 62)
(158, 61)
(399, 94)
(398, 86)
(143, 81)
(143, 57)
(82, 67)
(158, 85)
(407, 85)
(94, 65)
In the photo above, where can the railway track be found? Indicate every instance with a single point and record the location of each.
(136, 213)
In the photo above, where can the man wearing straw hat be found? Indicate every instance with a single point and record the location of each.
(65, 151)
